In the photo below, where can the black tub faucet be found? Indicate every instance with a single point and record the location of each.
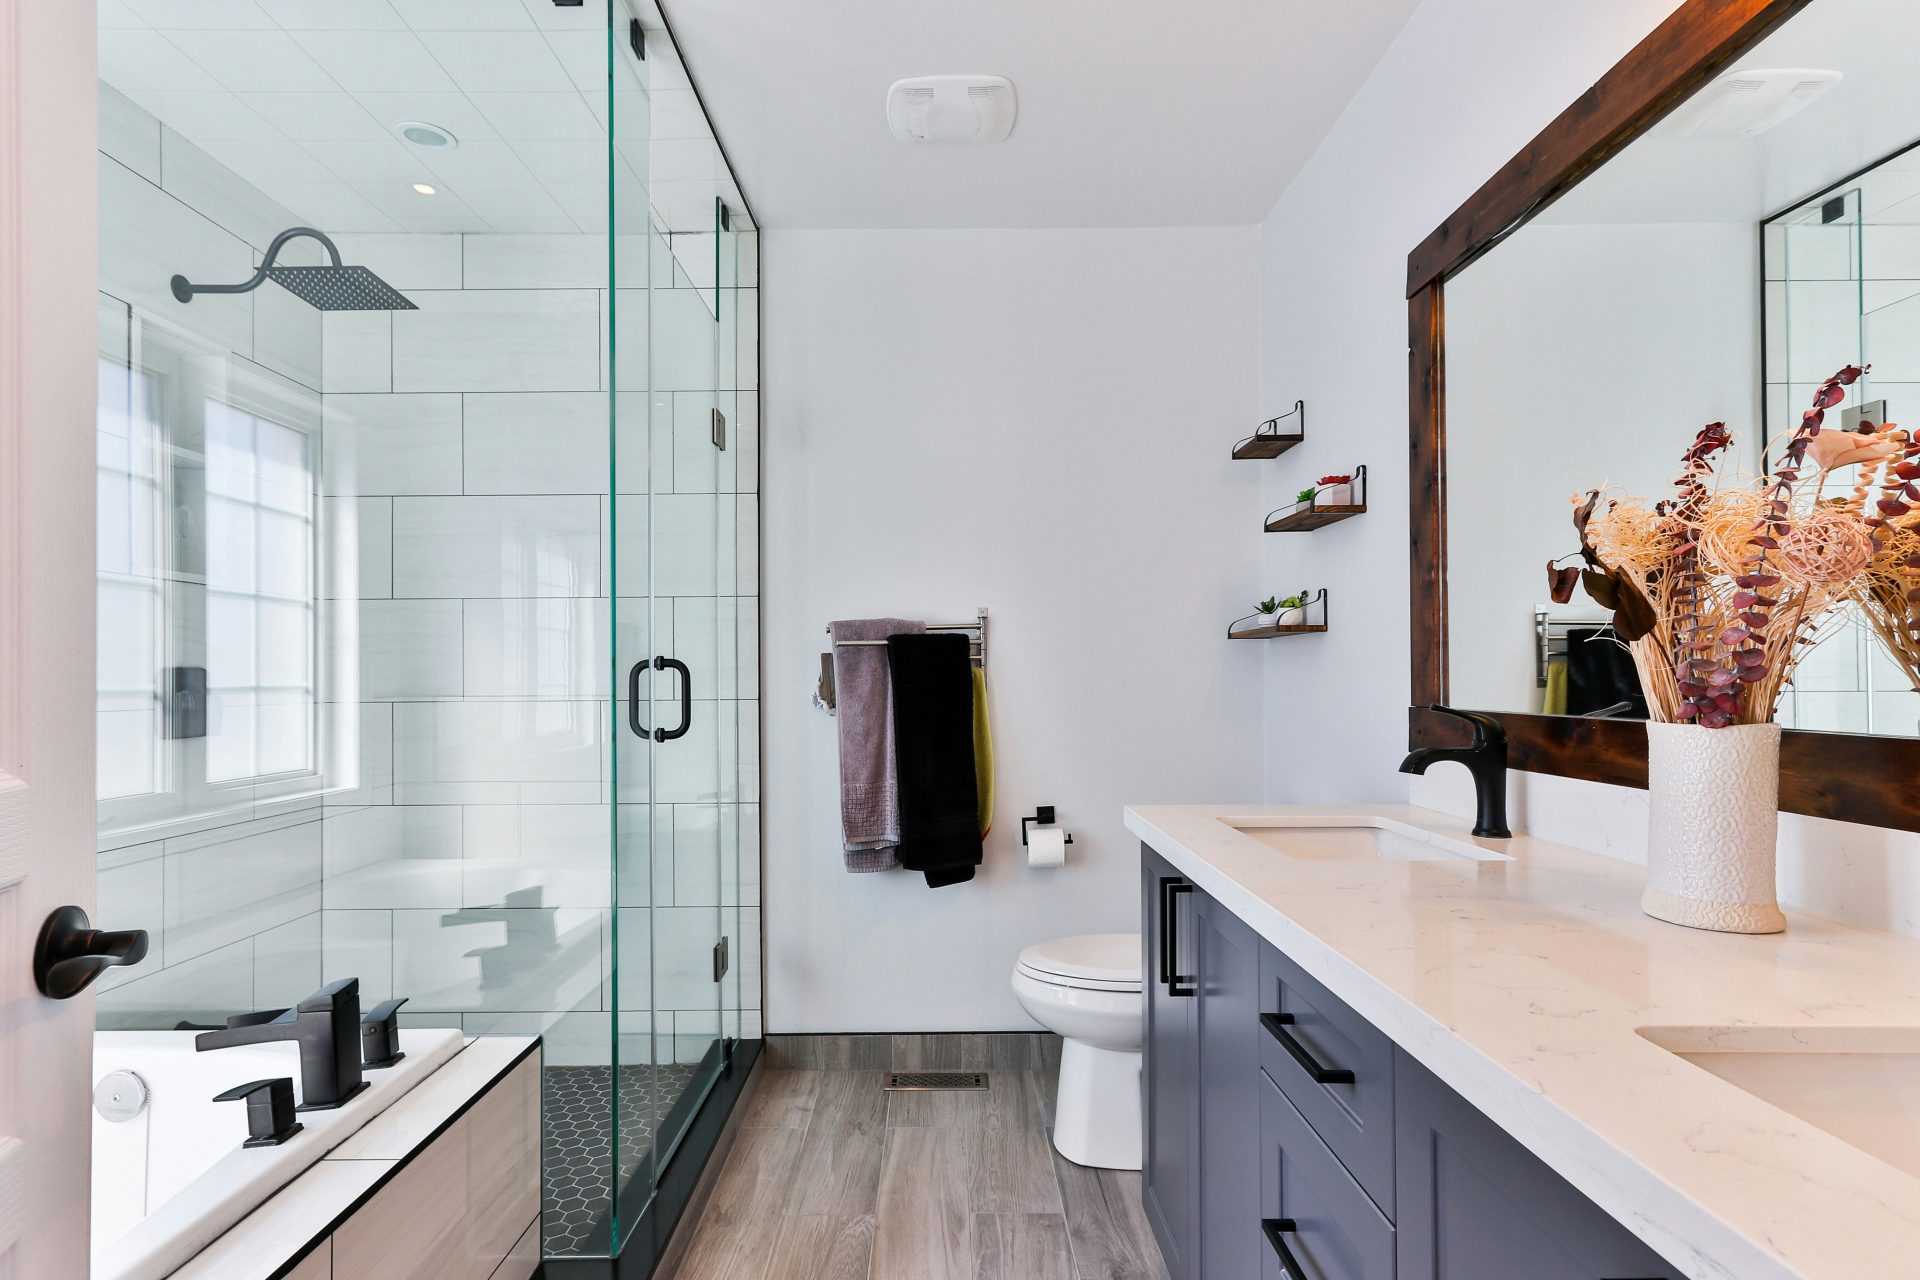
(326, 1026)
(1486, 759)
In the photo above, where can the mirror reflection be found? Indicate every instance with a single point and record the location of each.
(1763, 236)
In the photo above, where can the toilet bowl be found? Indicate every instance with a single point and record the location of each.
(1087, 991)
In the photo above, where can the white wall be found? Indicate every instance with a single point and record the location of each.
(1036, 421)
(1465, 86)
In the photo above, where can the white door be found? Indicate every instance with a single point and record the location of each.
(48, 267)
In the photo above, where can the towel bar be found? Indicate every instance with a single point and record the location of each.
(978, 624)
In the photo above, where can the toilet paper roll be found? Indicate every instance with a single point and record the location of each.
(1046, 847)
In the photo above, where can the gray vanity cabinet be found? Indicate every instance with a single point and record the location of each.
(1288, 1138)
(1170, 1073)
(1228, 975)
(1201, 1180)
(1476, 1205)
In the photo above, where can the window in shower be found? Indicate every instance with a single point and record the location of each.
(261, 610)
(208, 683)
(131, 587)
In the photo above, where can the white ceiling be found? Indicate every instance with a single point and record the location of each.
(299, 98)
(1132, 112)
(1872, 112)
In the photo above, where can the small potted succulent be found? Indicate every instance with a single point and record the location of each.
(1288, 612)
(1334, 491)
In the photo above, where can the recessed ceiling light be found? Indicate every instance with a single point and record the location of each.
(426, 188)
(422, 134)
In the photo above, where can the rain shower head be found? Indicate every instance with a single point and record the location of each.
(340, 288)
(332, 288)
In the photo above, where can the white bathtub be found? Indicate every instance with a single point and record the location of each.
(167, 1182)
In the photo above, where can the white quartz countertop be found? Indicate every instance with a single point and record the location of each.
(1523, 985)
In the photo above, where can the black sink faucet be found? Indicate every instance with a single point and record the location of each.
(326, 1026)
(1486, 759)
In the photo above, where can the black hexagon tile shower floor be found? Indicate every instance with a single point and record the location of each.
(576, 1145)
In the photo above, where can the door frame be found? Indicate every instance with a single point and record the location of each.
(49, 269)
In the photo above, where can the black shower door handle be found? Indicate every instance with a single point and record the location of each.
(658, 663)
(686, 699)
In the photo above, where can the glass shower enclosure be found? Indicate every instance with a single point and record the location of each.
(429, 632)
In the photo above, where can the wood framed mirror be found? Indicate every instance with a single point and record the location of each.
(1853, 776)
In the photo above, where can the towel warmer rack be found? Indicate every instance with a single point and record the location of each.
(979, 624)
(1550, 638)
(824, 696)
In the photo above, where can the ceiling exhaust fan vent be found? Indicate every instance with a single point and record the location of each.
(951, 109)
(1742, 103)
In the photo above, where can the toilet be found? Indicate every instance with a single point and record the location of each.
(1087, 991)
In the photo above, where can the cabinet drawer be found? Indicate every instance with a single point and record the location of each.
(1313, 1209)
(1334, 1066)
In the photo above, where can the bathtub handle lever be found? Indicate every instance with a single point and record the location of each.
(71, 953)
(270, 1119)
(380, 1035)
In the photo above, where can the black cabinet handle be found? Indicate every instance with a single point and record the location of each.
(1166, 933)
(1276, 1025)
(1171, 887)
(71, 953)
(1277, 1230)
(658, 663)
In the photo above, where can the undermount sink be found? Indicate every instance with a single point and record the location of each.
(1860, 1084)
(1330, 839)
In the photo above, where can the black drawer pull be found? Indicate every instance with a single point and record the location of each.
(1176, 983)
(1277, 1229)
(1276, 1025)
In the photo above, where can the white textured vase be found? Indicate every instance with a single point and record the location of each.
(1714, 812)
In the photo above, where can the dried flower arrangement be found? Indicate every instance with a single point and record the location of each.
(1719, 591)
(1888, 590)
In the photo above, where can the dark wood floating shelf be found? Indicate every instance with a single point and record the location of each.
(1265, 446)
(1307, 519)
(1269, 441)
(1275, 633)
(1310, 513)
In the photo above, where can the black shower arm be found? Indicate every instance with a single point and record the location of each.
(184, 290)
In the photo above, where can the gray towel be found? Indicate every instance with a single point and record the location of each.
(869, 787)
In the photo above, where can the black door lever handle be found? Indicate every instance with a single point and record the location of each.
(71, 953)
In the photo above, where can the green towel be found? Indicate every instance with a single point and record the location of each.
(982, 751)
(1553, 700)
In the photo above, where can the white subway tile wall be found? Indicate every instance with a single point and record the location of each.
(463, 852)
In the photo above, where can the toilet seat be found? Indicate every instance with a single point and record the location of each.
(1090, 962)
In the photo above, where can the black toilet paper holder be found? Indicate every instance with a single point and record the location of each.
(1043, 815)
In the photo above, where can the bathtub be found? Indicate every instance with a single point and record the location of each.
(170, 1175)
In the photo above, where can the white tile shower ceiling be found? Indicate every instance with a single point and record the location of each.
(299, 97)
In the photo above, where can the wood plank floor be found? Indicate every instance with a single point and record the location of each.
(833, 1178)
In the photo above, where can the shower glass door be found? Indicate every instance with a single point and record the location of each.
(663, 537)
(428, 644)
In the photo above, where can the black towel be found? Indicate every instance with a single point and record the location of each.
(1600, 673)
(933, 750)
